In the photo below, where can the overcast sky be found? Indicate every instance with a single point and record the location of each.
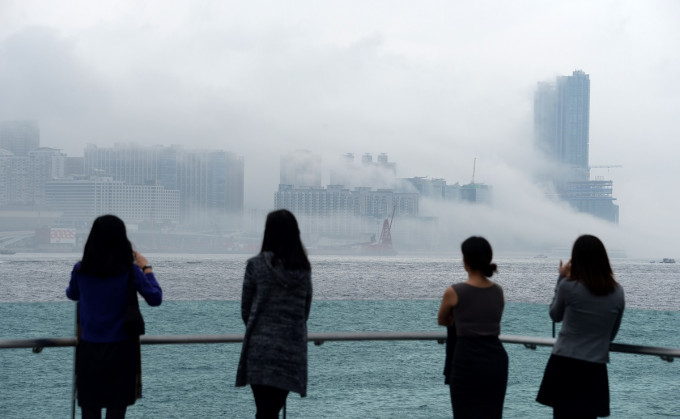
(434, 84)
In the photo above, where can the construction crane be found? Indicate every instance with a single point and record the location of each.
(385, 242)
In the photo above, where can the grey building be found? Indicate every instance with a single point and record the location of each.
(429, 188)
(562, 133)
(19, 137)
(562, 124)
(210, 182)
(475, 193)
(23, 178)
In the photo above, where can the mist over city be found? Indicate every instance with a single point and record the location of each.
(443, 91)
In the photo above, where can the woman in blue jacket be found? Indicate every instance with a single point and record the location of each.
(108, 358)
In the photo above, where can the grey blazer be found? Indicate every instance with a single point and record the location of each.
(590, 322)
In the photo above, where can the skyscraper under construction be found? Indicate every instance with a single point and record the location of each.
(562, 130)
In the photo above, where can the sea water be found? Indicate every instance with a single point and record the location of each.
(384, 379)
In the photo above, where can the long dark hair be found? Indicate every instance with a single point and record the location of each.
(282, 237)
(108, 251)
(477, 255)
(590, 265)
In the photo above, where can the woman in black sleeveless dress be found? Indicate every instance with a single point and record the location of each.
(477, 364)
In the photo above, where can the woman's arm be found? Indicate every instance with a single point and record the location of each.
(308, 300)
(617, 323)
(558, 304)
(146, 284)
(72, 291)
(449, 301)
(145, 281)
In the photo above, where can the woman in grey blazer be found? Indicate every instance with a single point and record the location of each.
(590, 304)
(275, 304)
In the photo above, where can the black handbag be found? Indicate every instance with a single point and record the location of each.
(134, 322)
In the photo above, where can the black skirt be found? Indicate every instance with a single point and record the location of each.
(577, 386)
(478, 377)
(108, 374)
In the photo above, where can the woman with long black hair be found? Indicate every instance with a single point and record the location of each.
(477, 368)
(108, 358)
(275, 305)
(590, 304)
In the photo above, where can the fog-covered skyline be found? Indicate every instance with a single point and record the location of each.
(433, 85)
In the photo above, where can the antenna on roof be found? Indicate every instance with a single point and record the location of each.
(474, 164)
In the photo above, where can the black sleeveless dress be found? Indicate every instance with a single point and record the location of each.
(478, 373)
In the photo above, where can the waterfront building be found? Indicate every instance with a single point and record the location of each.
(45, 164)
(82, 200)
(474, 193)
(337, 210)
(335, 200)
(562, 130)
(210, 182)
(429, 188)
(23, 178)
(73, 166)
(19, 137)
(6, 178)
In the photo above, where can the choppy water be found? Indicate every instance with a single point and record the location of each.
(348, 379)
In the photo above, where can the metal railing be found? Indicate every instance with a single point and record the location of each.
(667, 354)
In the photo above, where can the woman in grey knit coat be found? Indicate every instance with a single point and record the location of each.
(277, 296)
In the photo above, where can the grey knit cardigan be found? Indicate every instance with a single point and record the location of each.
(275, 306)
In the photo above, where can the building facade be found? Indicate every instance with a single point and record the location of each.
(82, 200)
(562, 124)
(562, 134)
(23, 178)
(19, 137)
(210, 183)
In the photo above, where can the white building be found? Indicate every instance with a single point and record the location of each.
(82, 200)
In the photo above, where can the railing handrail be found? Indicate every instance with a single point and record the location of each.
(667, 354)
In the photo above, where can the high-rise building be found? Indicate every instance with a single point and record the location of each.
(19, 137)
(210, 183)
(562, 125)
(562, 130)
(23, 178)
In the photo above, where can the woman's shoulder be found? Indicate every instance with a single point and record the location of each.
(258, 263)
(257, 259)
(463, 285)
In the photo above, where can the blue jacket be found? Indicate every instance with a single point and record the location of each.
(103, 301)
